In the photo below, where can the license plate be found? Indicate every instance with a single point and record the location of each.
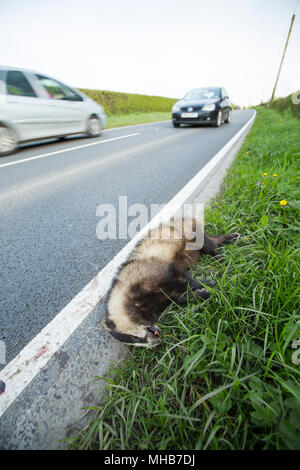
(189, 115)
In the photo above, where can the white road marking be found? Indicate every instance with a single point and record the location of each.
(36, 157)
(31, 360)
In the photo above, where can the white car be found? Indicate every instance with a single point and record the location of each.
(34, 106)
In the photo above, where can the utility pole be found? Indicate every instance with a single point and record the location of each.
(274, 89)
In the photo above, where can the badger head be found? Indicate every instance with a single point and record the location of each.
(136, 301)
(142, 335)
(142, 291)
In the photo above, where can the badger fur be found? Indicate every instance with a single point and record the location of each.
(155, 275)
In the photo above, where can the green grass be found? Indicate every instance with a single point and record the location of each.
(283, 104)
(127, 109)
(224, 376)
(116, 104)
(136, 118)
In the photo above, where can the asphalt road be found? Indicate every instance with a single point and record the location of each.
(49, 249)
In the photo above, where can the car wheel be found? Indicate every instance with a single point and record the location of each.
(176, 124)
(94, 127)
(228, 119)
(219, 119)
(8, 141)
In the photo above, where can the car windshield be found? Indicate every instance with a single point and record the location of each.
(202, 94)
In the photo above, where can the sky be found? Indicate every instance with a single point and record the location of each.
(156, 47)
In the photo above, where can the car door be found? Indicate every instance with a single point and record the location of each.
(222, 104)
(23, 107)
(226, 103)
(68, 107)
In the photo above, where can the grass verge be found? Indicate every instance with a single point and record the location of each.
(227, 373)
(136, 118)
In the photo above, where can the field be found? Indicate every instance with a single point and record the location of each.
(126, 109)
(136, 118)
(116, 104)
(226, 375)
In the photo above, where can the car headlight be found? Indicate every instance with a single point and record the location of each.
(175, 108)
(209, 107)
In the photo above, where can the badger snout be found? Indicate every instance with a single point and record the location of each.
(153, 334)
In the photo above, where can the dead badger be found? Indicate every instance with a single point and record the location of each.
(155, 275)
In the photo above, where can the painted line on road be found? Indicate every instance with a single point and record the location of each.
(36, 157)
(33, 358)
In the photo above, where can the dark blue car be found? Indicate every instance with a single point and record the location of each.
(209, 105)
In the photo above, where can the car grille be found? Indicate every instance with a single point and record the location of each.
(195, 108)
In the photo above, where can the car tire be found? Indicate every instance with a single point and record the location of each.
(219, 119)
(176, 124)
(94, 127)
(8, 141)
(228, 119)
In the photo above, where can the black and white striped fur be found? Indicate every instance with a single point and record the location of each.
(155, 275)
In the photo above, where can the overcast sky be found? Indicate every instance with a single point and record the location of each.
(156, 47)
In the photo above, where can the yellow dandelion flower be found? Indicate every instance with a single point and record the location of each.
(283, 202)
(265, 174)
(247, 153)
(275, 174)
(246, 238)
(262, 183)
